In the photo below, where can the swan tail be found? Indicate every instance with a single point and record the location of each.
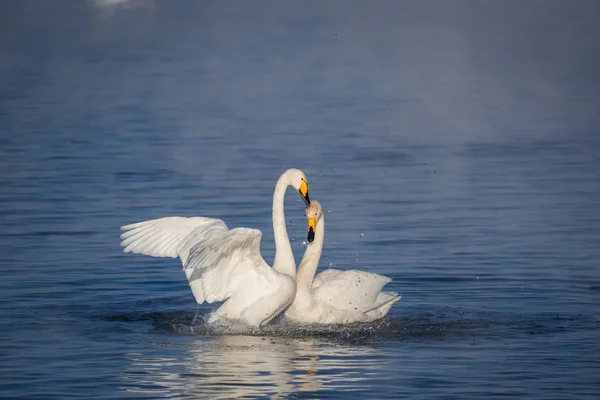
(382, 306)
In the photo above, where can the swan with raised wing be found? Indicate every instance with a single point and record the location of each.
(224, 264)
(334, 296)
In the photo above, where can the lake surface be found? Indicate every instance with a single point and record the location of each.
(454, 146)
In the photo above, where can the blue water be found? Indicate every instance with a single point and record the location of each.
(454, 145)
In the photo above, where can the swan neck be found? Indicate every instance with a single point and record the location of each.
(310, 261)
(284, 258)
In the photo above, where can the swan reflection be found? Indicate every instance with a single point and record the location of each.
(225, 367)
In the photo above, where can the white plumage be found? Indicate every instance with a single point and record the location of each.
(354, 290)
(226, 265)
(169, 236)
(335, 296)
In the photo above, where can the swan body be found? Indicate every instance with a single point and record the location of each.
(225, 265)
(333, 296)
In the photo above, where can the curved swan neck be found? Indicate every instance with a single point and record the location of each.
(310, 260)
(284, 258)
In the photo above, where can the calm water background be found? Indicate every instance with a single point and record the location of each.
(454, 145)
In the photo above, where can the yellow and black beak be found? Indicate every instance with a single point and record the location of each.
(312, 226)
(304, 192)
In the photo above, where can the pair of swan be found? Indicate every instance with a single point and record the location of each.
(224, 265)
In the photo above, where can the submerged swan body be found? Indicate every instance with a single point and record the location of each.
(226, 265)
(335, 297)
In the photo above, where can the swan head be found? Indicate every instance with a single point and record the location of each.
(313, 214)
(297, 180)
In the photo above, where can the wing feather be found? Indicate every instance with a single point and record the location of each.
(350, 289)
(169, 236)
(224, 262)
(325, 276)
(217, 262)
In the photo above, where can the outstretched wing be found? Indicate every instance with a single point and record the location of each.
(169, 236)
(227, 263)
(350, 290)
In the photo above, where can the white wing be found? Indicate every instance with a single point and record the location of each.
(325, 276)
(350, 290)
(228, 263)
(169, 236)
(220, 264)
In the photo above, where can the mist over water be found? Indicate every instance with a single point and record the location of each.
(454, 146)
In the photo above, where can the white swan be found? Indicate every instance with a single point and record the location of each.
(335, 297)
(226, 265)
